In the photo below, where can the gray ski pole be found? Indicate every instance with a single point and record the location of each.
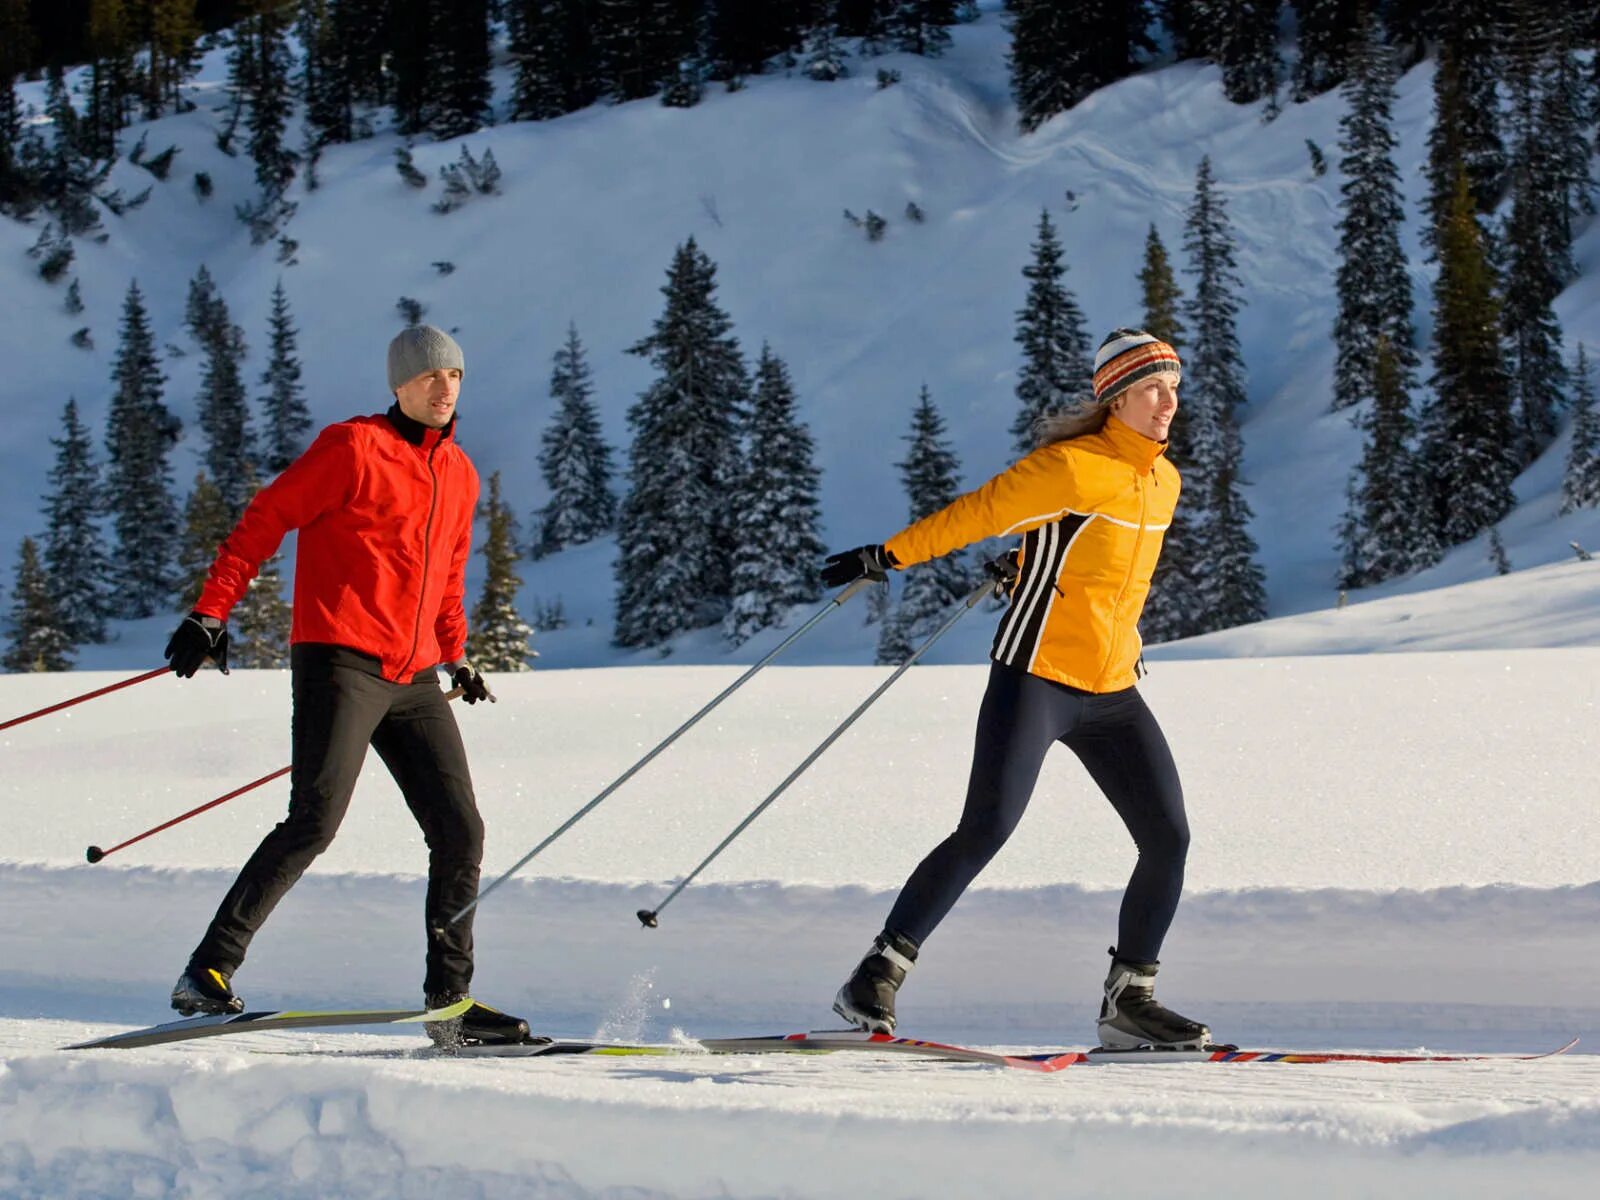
(648, 916)
(738, 683)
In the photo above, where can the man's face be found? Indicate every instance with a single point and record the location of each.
(431, 397)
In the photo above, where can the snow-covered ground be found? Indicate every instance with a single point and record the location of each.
(1391, 851)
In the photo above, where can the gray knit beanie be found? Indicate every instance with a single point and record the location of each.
(420, 348)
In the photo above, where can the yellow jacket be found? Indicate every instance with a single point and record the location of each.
(1092, 510)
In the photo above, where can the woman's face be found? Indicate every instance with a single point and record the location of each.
(1149, 405)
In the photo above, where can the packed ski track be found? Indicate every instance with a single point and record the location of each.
(1391, 853)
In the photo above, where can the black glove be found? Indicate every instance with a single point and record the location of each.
(1004, 569)
(870, 562)
(466, 677)
(199, 637)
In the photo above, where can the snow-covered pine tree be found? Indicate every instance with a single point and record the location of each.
(459, 68)
(140, 432)
(638, 42)
(362, 29)
(168, 31)
(259, 72)
(575, 460)
(498, 637)
(1466, 115)
(1244, 43)
(1057, 364)
(260, 623)
(1387, 532)
(75, 553)
(224, 409)
(930, 472)
(37, 639)
(206, 522)
(920, 26)
(1323, 41)
(1060, 52)
(326, 83)
(1190, 26)
(1230, 586)
(1159, 288)
(1468, 436)
(113, 77)
(779, 510)
(676, 535)
(1580, 484)
(1373, 283)
(535, 29)
(286, 418)
(823, 56)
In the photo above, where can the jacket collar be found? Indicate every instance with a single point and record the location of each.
(422, 436)
(1132, 447)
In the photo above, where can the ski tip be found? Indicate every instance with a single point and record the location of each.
(94, 854)
(647, 918)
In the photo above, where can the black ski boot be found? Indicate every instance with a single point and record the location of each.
(480, 1025)
(867, 998)
(204, 990)
(1130, 1016)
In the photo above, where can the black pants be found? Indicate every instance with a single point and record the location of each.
(341, 705)
(1118, 740)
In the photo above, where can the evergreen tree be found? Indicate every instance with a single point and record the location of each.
(1580, 485)
(575, 459)
(1468, 434)
(75, 552)
(1387, 532)
(168, 31)
(1245, 46)
(1324, 32)
(16, 46)
(1057, 365)
(535, 36)
(1230, 587)
(1466, 115)
(113, 77)
(1374, 286)
(459, 76)
(326, 81)
(638, 43)
(223, 405)
(919, 26)
(259, 69)
(779, 510)
(287, 418)
(1161, 295)
(867, 20)
(499, 637)
(676, 534)
(140, 432)
(64, 176)
(408, 63)
(261, 621)
(362, 31)
(39, 642)
(930, 472)
(743, 36)
(207, 521)
(1060, 53)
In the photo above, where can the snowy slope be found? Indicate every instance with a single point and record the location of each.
(1390, 852)
(595, 202)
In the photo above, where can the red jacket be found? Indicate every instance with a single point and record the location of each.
(384, 507)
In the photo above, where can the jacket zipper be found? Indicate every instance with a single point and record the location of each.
(1133, 562)
(427, 543)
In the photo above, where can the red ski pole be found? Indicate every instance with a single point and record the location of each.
(94, 854)
(44, 712)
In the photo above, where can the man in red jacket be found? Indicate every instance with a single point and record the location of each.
(384, 508)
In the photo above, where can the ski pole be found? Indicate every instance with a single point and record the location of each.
(94, 854)
(647, 916)
(44, 712)
(738, 683)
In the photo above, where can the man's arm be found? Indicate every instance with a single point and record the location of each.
(320, 480)
(450, 626)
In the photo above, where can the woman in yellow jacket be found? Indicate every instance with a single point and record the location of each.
(1091, 504)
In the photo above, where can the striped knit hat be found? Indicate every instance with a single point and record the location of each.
(1127, 356)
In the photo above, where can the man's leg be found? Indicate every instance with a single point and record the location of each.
(336, 708)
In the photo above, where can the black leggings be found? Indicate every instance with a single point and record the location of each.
(1116, 737)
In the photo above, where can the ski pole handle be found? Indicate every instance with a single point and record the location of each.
(94, 853)
(45, 712)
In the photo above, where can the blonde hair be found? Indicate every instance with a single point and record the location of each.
(1086, 416)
